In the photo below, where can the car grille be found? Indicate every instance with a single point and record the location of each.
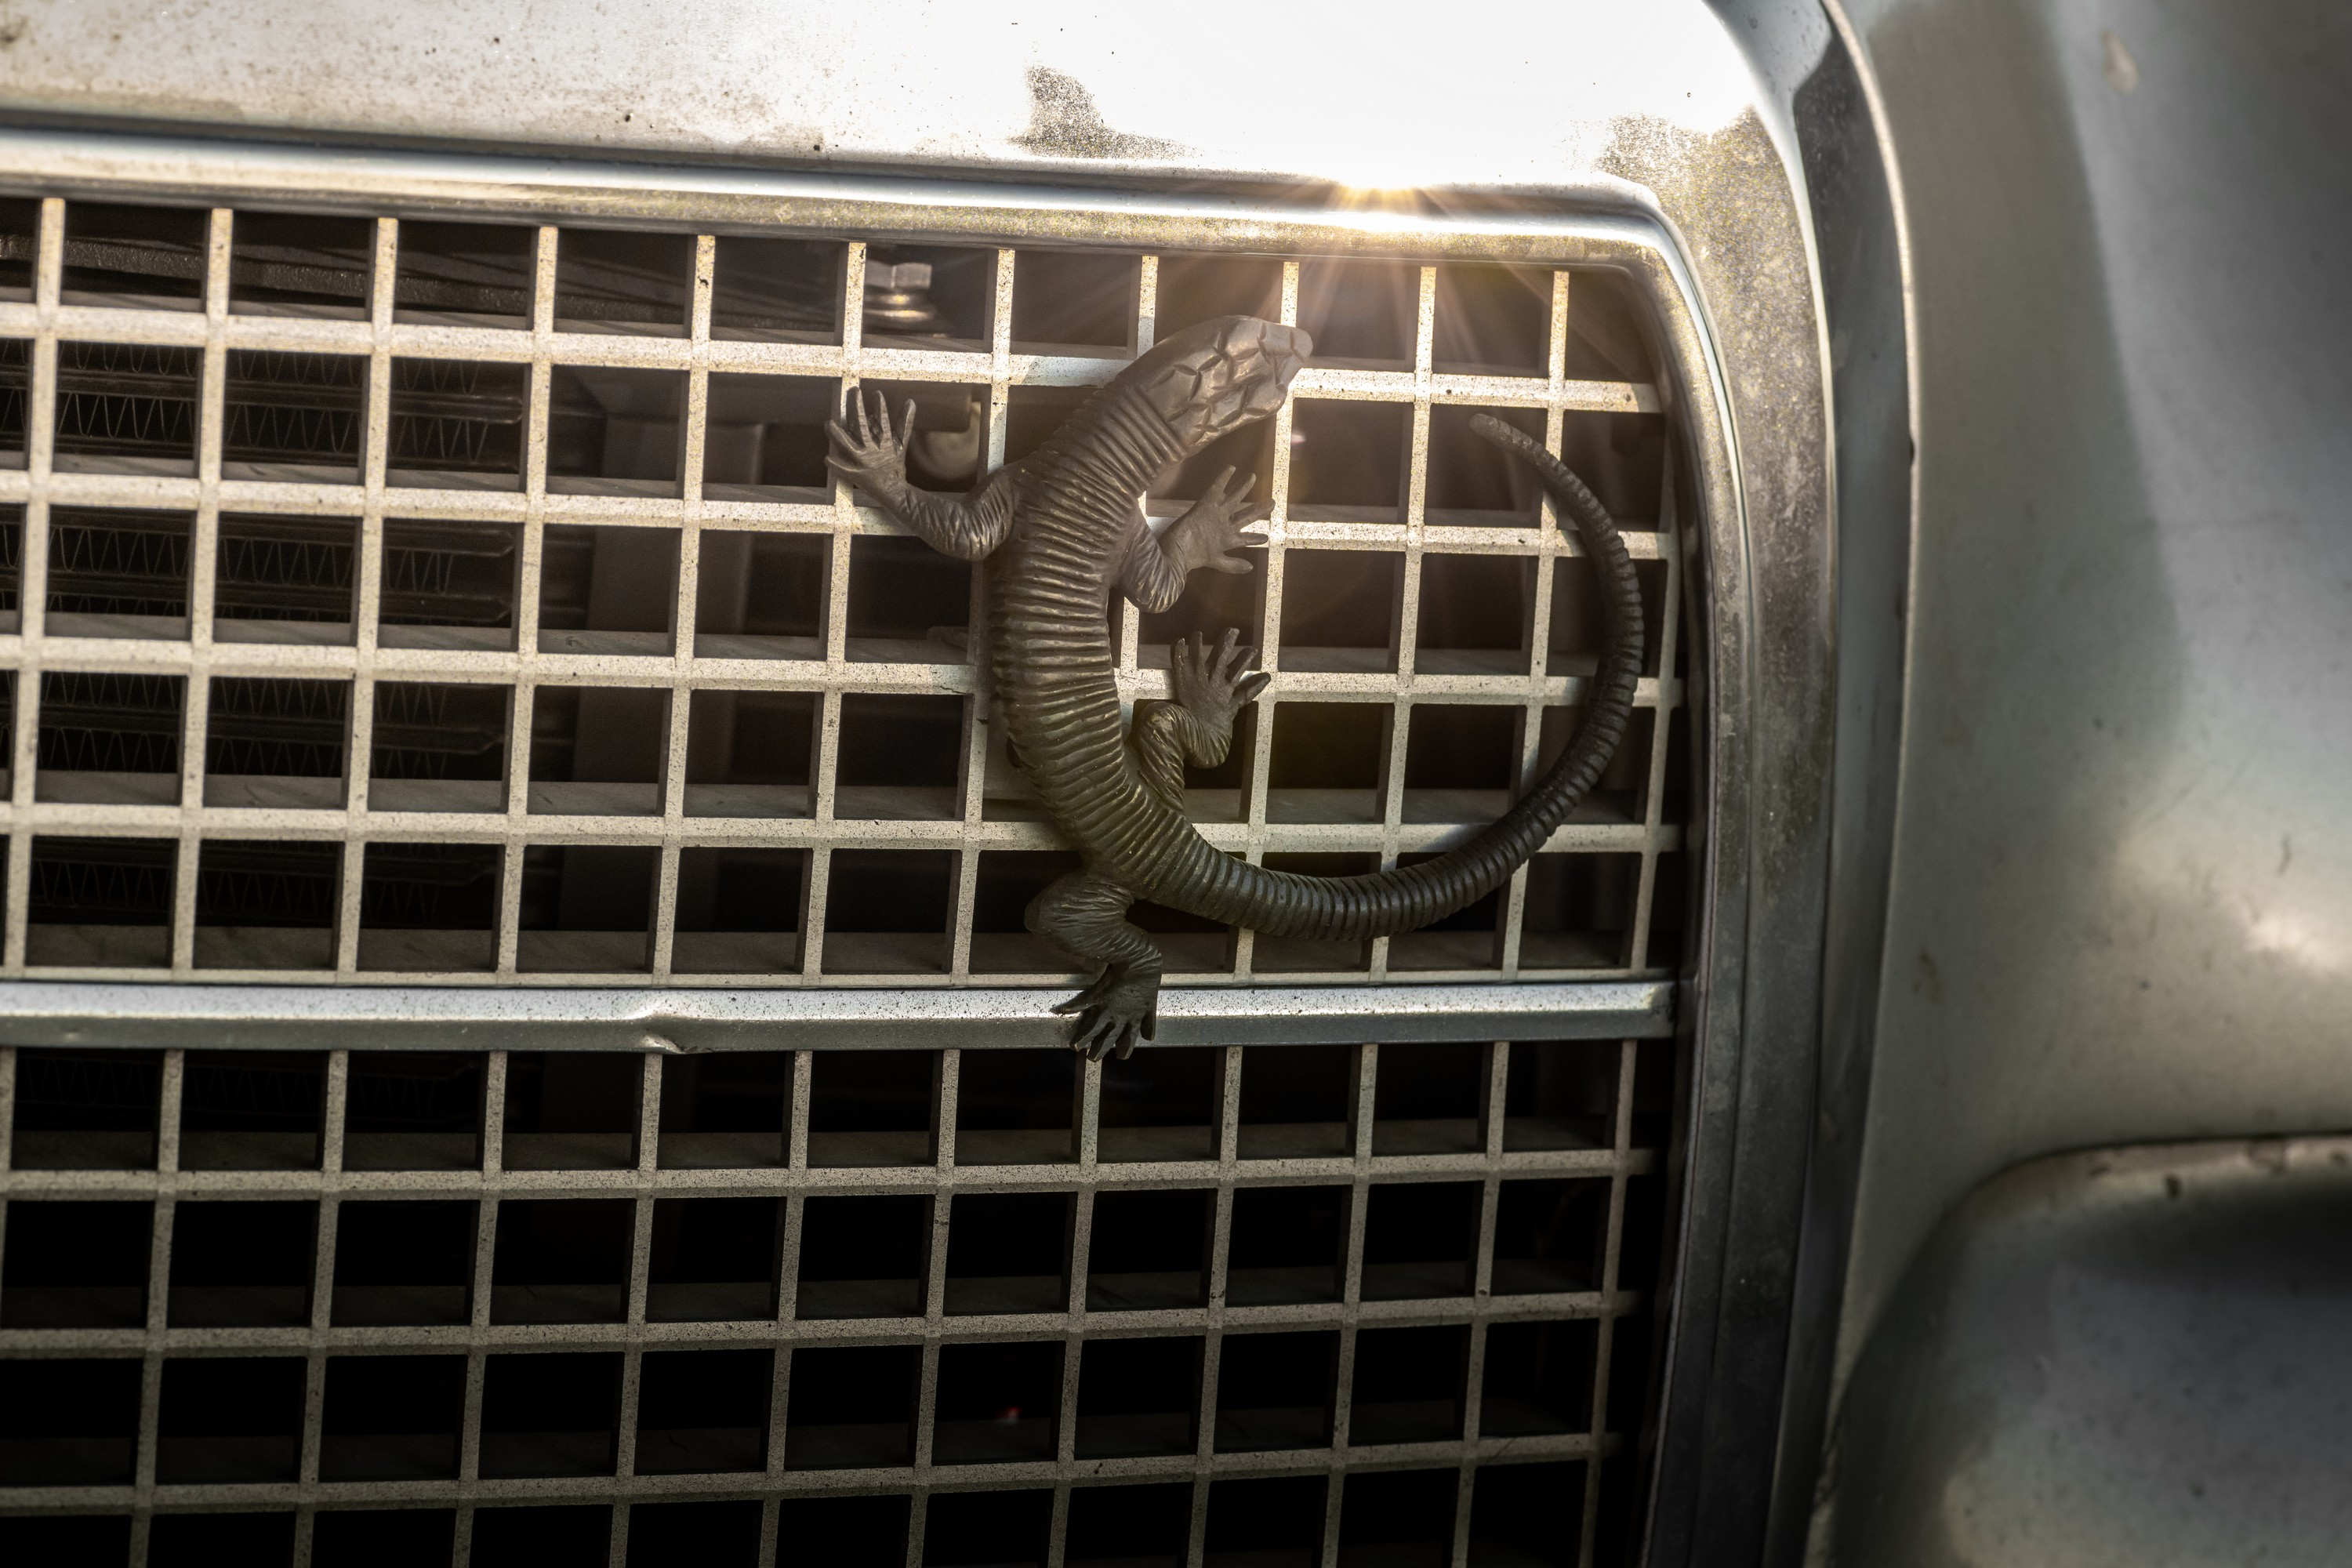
(466, 605)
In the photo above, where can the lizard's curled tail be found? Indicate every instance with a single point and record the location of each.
(1384, 903)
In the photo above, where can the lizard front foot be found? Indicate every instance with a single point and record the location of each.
(1214, 684)
(1121, 1009)
(1223, 520)
(875, 459)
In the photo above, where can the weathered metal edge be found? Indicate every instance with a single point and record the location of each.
(1596, 219)
(301, 1017)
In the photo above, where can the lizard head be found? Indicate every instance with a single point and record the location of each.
(1221, 375)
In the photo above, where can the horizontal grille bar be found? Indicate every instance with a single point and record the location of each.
(40, 1013)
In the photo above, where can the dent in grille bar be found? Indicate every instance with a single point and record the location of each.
(696, 1298)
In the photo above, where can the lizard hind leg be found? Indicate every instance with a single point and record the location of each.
(1085, 916)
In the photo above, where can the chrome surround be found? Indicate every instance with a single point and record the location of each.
(1706, 223)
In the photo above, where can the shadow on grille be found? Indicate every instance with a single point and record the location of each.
(1073, 301)
(290, 263)
(448, 585)
(571, 1111)
(967, 1530)
(931, 296)
(148, 257)
(864, 1256)
(456, 424)
(1361, 314)
(876, 1109)
(1117, 1525)
(777, 291)
(1277, 1519)
(127, 408)
(586, 907)
(465, 274)
(438, 747)
(852, 1531)
(703, 1411)
(762, 596)
(851, 1407)
(997, 1402)
(230, 1419)
(118, 573)
(1348, 460)
(76, 1265)
(15, 376)
(764, 438)
(1287, 1244)
(1138, 1396)
(725, 1112)
(267, 903)
(623, 281)
(713, 1260)
(68, 1423)
(430, 906)
(908, 602)
(598, 750)
(285, 579)
(404, 1263)
(294, 416)
(20, 223)
(101, 901)
(1491, 319)
(272, 742)
(241, 1265)
(252, 1111)
(748, 753)
(413, 1111)
(696, 1535)
(551, 1415)
(608, 591)
(562, 1262)
(615, 432)
(192, 1539)
(392, 1418)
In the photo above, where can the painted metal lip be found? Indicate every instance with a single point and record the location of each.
(295, 1017)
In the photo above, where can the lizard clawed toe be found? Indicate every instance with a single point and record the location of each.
(1117, 1012)
(873, 458)
(1216, 683)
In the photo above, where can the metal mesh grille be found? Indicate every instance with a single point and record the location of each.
(502, 564)
(422, 602)
(1004, 1294)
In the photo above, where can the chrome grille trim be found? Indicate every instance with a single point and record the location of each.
(1613, 1007)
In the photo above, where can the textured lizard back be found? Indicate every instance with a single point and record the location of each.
(1049, 640)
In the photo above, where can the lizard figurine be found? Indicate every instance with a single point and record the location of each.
(1061, 530)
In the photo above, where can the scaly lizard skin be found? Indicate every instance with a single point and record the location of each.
(1062, 528)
